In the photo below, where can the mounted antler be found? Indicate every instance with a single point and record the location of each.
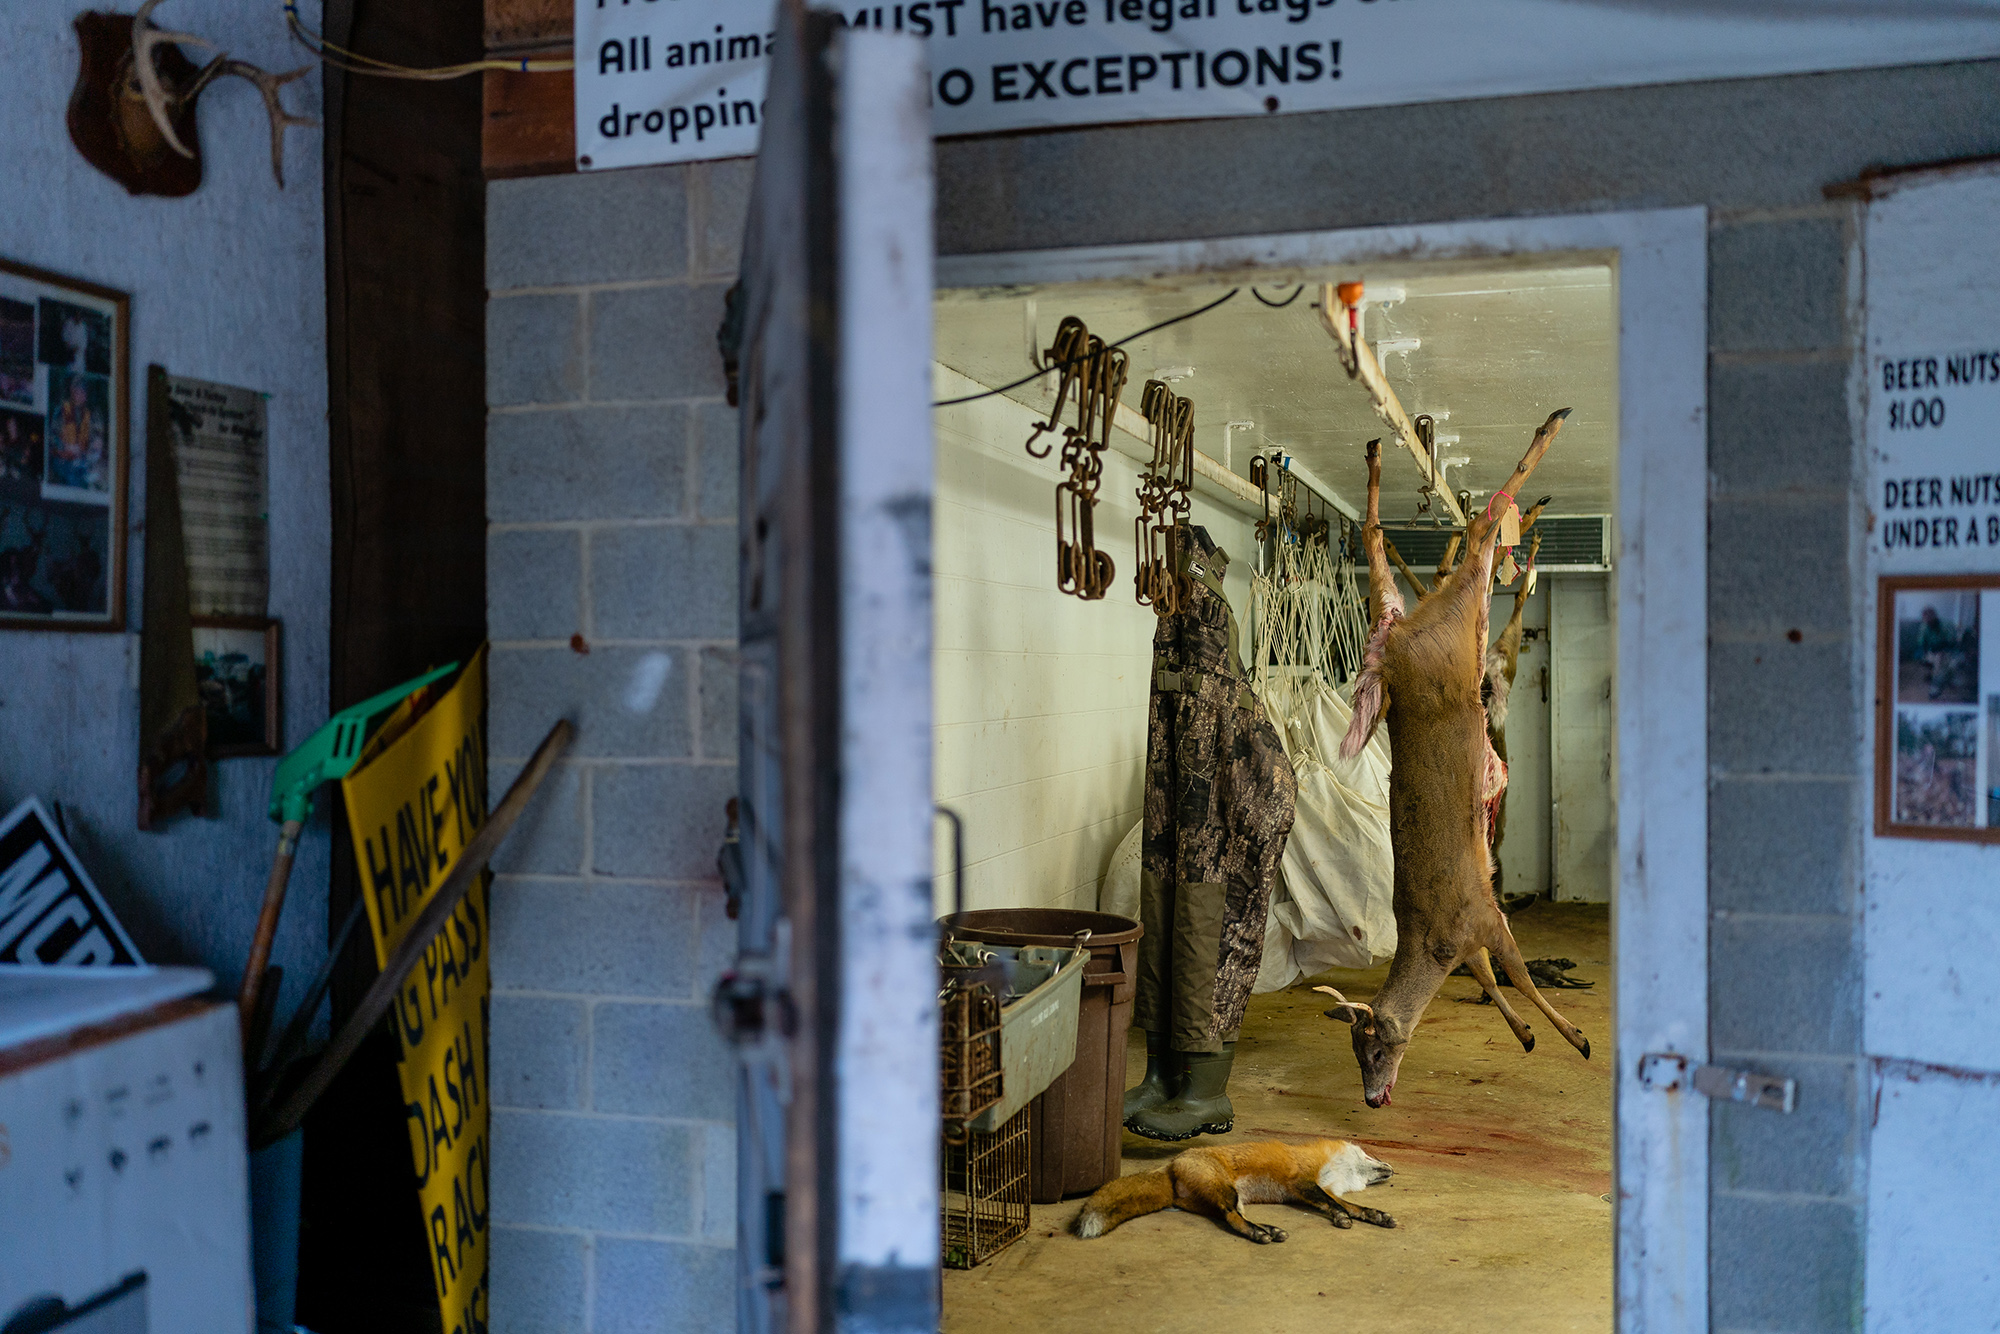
(162, 104)
(268, 84)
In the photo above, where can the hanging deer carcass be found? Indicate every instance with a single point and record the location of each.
(1422, 675)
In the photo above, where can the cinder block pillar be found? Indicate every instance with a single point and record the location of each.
(1785, 1212)
(611, 492)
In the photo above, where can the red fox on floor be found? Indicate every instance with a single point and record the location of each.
(1217, 1182)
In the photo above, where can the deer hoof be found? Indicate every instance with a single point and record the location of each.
(1527, 1042)
(1583, 1045)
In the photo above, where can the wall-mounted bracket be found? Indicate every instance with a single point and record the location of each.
(1666, 1072)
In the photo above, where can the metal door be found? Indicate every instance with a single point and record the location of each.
(832, 999)
(1931, 916)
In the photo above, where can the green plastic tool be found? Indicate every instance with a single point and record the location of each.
(328, 754)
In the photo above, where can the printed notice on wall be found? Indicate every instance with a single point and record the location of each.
(219, 450)
(1934, 431)
(683, 80)
(413, 805)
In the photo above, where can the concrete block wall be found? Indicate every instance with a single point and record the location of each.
(611, 495)
(1786, 1214)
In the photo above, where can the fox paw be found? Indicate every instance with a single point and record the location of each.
(1339, 1220)
(1375, 1216)
(1263, 1233)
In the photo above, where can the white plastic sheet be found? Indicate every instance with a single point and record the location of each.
(1334, 906)
(1120, 891)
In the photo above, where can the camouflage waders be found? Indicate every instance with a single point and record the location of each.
(1219, 798)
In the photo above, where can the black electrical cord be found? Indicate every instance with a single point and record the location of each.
(1154, 328)
(1278, 305)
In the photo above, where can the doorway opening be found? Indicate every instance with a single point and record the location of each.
(1504, 1158)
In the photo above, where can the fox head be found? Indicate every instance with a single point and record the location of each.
(1379, 1043)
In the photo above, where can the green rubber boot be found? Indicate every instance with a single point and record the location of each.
(1162, 1081)
(1201, 1108)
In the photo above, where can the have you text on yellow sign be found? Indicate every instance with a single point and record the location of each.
(413, 805)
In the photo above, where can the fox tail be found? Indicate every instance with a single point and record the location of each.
(1123, 1200)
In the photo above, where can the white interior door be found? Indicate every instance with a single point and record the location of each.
(832, 1002)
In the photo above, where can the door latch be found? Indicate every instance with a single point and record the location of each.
(746, 1007)
(1666, 1071)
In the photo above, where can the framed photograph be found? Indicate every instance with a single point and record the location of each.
(237, 667)
(65, 406)
(1937, 731)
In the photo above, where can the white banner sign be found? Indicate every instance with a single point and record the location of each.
(1935, 436)
(683, 80)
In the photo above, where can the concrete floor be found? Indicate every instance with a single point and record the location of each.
(1502, 1195)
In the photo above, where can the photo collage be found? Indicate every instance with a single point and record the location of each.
(1945, 749)
(59, 451)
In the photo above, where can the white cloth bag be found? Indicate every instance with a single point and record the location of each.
(1335, 903)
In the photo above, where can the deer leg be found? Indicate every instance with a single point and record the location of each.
(1517, 973)
(1423, 589)
(1449, 561)
(1386, 598)
(1482, 968)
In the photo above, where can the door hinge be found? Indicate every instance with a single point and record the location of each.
(1666, 1071)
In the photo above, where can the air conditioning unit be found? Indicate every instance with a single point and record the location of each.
(1571, 543)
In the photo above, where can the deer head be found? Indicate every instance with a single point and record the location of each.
(132, 112)
(1379, 1043)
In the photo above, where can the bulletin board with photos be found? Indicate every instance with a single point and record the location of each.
(64, 406)
(1937, 739)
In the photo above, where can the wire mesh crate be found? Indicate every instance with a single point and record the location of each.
(968, 1056)
(986, 1190)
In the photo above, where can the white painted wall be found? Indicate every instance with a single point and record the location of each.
(1583, 780)
(228, 285)
(1040, 699)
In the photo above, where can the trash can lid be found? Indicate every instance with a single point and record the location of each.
(1042, 926)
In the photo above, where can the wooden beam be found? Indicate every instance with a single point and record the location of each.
(1356, 352)
(528, 124)
(515, 24)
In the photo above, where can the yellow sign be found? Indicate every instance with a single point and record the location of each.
(413, 807)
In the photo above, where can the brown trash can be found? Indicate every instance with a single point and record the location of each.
(1075, 1125)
